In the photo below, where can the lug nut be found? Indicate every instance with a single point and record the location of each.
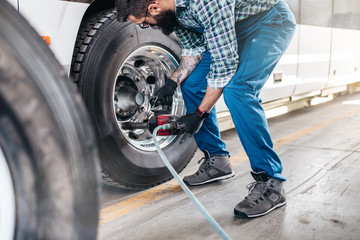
(142, 109)
(126, 71)
(133, 136)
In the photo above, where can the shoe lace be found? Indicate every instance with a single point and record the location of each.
(205, 164)
(256, 191)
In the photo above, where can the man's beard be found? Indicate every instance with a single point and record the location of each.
(166, 22)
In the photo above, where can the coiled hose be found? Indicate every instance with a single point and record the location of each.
(198, 204)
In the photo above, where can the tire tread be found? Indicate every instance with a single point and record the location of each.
(90, 28)
(107, 179)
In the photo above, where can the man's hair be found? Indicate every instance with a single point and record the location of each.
(137, 8)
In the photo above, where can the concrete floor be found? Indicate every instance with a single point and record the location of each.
(320, 150)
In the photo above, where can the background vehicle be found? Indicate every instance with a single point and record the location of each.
(48, 155)
(116, 64)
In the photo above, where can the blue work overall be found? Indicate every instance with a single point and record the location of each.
(262, 39)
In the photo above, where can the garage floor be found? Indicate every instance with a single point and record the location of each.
(320, 151)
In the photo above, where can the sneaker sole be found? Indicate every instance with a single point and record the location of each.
(244, 215)
(232, 174)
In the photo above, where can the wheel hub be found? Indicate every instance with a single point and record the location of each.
(127, 98)
(142, 73)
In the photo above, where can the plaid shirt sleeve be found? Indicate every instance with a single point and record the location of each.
(192, 43)
(217, 18)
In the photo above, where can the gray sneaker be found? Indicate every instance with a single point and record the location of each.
(265, 195)
(217, 167)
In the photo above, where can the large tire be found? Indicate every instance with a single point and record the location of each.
(46, 142)
(113, 62)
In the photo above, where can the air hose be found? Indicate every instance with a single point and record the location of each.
(192, 197)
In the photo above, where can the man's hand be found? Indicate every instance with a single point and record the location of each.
(193, 121)
(164, 95)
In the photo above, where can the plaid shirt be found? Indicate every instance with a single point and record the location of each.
(209, 25)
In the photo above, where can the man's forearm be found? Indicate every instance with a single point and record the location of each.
(186, 67)
(211, 97)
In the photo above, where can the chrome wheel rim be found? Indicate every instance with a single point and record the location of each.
(141, 74)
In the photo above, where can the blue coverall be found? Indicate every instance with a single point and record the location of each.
(262, 39)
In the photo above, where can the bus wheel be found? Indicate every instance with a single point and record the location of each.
(118, 67)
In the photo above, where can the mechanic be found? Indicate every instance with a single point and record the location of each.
(229, 47)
